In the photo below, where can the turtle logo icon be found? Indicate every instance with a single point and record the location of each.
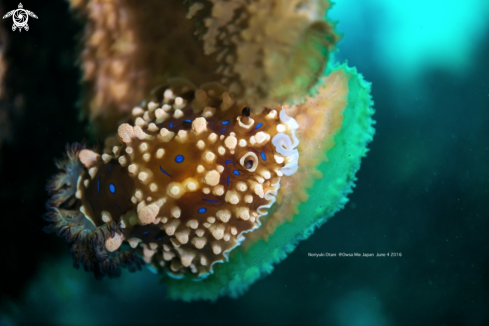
(20, 17)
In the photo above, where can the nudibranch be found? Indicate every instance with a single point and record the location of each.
(182, 184)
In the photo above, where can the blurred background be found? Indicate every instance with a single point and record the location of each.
(423, 189)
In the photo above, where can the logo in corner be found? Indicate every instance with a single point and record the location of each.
(20, 17)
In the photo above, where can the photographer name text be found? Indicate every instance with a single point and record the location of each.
(354, 254)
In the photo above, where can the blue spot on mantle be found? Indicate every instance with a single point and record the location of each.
(179, 158)
(202, 210)
(236, 172)
(259, 125)
(263, 156)
(168, 174)
(225, 122)
(210, 200)
(112, 188)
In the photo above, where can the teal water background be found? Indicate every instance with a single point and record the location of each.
(423, 189)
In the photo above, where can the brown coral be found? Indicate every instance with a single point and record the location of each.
(275, 50)
(268, 51)
(128, 47)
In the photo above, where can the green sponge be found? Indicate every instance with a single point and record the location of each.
(327, 196)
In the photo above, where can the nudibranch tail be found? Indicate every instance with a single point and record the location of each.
(179, 187)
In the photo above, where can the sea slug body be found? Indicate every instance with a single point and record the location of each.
(178, 188)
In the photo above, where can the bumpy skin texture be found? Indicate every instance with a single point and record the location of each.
(345, 145)
(183, 185)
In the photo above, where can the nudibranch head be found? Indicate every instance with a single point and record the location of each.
(183, 183)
